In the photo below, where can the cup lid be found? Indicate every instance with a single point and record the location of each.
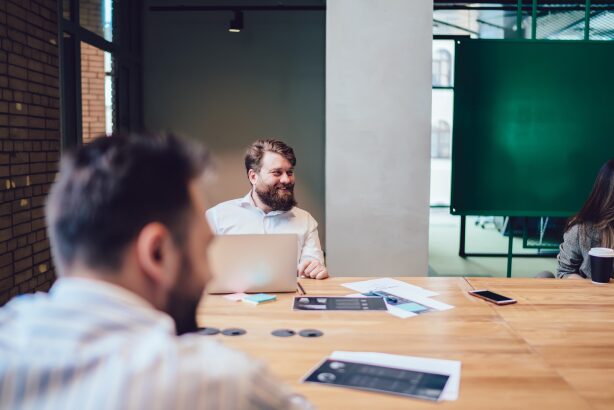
(603, 252)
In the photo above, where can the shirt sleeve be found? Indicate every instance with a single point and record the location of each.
(267, 393)
(213, 376)
(570, 254)
(312, 250)
(211, 216)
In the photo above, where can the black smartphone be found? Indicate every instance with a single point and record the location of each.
(492, 297)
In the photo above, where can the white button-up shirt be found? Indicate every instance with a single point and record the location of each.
(89, 344)
(242, 216)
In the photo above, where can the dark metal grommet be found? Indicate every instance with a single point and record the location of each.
(283, 332)
(310, 333)
(208, 331)
(233, 332)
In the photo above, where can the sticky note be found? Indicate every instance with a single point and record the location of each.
(259, 298)
(412, 307)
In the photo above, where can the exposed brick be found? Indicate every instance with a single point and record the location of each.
(4, 298)
(6, 284)
(20, 158)
(5, 222)
(6, 259)
(23, 276)
(29, 139)
(20, 217)
(22, 229)
(23, 252)
(21, 169)
(40, 246)
(6, 271)
(38, 224)
(5, 234)
(5, 208)
(41, 257)
(22, 241)
(23, 264)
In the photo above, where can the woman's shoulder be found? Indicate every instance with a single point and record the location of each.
(585, 232)
(583, 228)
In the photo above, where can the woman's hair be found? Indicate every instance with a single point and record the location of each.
(598, 209)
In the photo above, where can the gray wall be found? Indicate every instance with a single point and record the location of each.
(228, 89)
(378, 108)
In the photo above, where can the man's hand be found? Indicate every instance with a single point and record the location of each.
(312, 269)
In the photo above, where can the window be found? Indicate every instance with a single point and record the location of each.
(442, 68)
(100, 59)
(441, 138)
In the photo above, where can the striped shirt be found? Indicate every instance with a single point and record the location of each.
(88, 344)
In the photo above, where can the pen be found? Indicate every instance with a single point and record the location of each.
(302, 291)
(390, 299)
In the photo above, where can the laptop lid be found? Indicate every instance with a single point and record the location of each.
(253, 263)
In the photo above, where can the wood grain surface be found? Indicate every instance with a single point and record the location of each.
(553, 349)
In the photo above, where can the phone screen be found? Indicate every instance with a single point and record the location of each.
(492, 295)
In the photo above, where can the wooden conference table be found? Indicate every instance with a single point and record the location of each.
(554, 349)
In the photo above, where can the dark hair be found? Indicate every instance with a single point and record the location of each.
(108, 190)
(599, 207)
(255, 152)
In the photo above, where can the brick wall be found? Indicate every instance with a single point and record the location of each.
(92, 73)
(30, 141)
(92, 92)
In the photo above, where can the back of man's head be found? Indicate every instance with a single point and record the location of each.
(108, 190)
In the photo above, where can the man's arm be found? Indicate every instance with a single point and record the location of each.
(214, 376)
(269, 393)
(311, 263)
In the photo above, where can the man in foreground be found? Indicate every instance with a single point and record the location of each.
(129, 243)
(270, 207)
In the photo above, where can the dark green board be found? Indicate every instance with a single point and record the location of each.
(533, 123)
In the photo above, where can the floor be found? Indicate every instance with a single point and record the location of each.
(444, 237)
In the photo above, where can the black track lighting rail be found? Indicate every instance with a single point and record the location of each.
(236, 8)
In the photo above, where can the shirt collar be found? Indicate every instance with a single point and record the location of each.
(78, 288)
(248, 202)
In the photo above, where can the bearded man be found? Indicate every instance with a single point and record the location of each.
(270, 207)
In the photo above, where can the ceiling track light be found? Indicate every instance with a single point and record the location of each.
(236, 24)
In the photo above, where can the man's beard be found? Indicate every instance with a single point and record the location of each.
(276, 198)
(183, 299)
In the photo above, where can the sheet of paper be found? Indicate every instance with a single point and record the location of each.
(432, 303)
(451, 368)
(402, 313)
(393, 310)
(399, 311)
(390, 285)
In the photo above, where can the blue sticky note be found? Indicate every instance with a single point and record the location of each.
(259, 298)
(412, 307)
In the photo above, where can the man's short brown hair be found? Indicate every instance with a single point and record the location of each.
(255, 152)
(108, 190)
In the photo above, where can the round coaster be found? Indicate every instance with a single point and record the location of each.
(310, 333)
(208, 331)
(233, 332)
(283, 332)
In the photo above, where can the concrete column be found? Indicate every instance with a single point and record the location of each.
(378, 109)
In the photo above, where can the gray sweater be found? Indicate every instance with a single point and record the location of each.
(573, 253)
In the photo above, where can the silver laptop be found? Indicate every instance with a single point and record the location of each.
(253, 263)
